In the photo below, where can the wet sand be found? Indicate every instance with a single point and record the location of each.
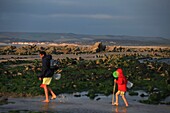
(71, 104)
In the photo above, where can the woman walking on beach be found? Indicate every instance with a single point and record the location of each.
(46, 75)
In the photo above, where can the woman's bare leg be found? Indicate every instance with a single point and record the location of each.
(46, 94)
(52, 93)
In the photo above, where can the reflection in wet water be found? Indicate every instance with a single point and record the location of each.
(45, 107)
(119, 109)
(83, 104)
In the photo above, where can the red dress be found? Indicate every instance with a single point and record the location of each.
(122, 81)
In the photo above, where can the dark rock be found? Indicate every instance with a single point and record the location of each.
(3, 98)
(77, 94)
(143, 95)
(98, 98)
(168, 81)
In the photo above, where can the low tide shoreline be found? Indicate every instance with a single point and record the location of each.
(71, 104)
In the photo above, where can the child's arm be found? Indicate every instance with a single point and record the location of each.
(115, 80)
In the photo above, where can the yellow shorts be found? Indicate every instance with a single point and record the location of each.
(47, 80)
(121, 92)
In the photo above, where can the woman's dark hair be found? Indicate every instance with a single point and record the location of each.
(42, 53)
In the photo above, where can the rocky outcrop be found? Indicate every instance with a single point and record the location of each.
(77, 49)
(98, 47)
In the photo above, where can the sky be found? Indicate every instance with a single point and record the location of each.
(97, 17)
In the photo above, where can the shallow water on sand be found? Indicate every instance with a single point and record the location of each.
(67, 103)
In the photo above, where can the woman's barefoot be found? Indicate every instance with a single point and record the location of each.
(53, 97)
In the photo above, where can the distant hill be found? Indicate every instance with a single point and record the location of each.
(8, 37)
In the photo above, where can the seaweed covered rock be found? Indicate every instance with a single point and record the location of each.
(3, 100)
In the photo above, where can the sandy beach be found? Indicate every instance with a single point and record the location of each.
(71, 104)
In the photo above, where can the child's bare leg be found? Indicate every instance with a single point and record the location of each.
(46, 94)
(125, 101)
(52, 93)
(117, 98)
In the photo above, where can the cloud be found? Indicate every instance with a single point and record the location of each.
(98, 16)
(89, 16)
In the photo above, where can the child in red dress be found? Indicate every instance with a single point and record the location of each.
(122, 87)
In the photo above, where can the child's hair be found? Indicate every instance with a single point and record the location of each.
(42, 53)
